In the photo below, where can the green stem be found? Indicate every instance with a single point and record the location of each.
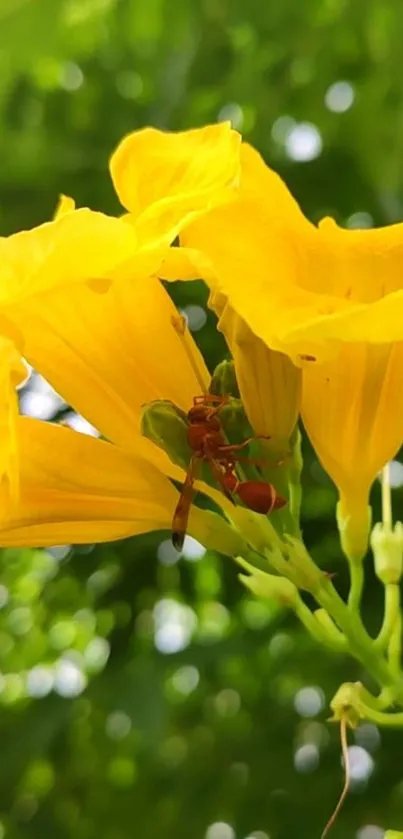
(360, 643)
(294, 478)
(392, 591)
(393, 720)
(356, 584)
(395, 643)
(317, 630)
(391, 615)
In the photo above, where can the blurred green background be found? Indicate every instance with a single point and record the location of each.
(143, 696)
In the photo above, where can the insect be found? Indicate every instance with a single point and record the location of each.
(208, 444)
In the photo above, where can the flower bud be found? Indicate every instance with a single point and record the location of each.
(387, 547)
(167, 427)
(224, 379)
(269, 586)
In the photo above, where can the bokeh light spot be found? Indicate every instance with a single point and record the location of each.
(361, 763)
(360, 221)
(306, 758)
(220, 830)
(196, 317)
(309, 701)
(4, 596)
(233, 113)
(282, 128)
(258, 834)
(186, 679)
(339, 97)
(71, 76)
(39, 681)
(174, 626)
(370, 831)
(303, 142)
(69, 679)
(395, 474)
(96, 653)
(118, 725)
(192, 549)
(167, 554)
(227, 702)
(368, 736)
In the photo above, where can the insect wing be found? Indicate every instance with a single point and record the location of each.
(181, 515)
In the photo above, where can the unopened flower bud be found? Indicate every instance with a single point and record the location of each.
(269, 586)
(167, 427)
(387, 547)
(224, 380)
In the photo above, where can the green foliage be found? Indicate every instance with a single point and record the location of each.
(165, 744)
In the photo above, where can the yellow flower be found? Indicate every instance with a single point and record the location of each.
(107, 354)
(77, 246)
(331, 299)
(158, 175)
(166, 179)
(81, 247)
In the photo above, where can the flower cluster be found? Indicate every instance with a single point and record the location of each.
(313, 320)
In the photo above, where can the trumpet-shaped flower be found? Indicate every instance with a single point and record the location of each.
(107, 354)
(92, 250)
(331, 299)
(194, 171)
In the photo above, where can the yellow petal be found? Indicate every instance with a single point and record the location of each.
(352, 409)
(260, 181)
(76, 489)
(164, 178)
(269, 383)
(12, 373)
(77, 247)
(65, 205)
(108, 354)
(254, 262)
(186, 264)
(302, 290)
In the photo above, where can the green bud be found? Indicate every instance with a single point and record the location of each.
(387, 547)
(393, 834)
(269, 586)
(167, 427)
(224, 380)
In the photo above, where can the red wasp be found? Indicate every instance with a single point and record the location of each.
(206, 439)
